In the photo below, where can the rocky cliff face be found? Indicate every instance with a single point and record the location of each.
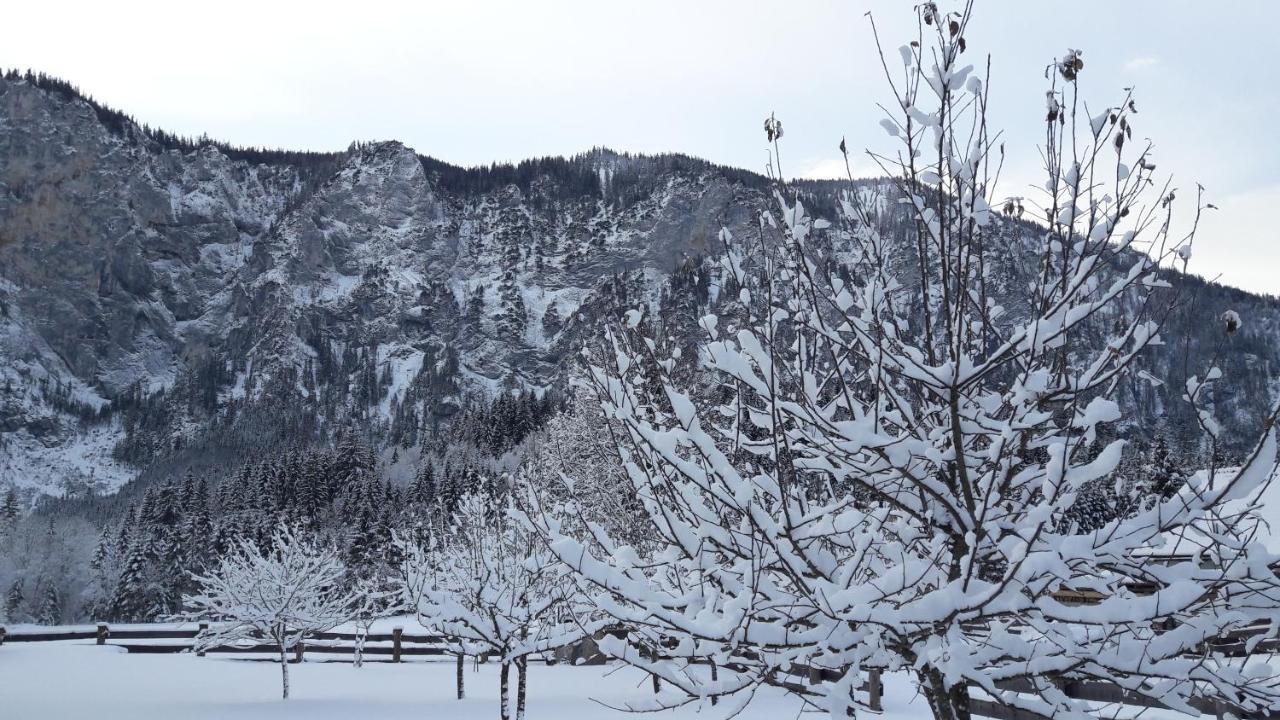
(161, 298)
(112, 252)
(345, 286)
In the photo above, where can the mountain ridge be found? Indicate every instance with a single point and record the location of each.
(163, 299)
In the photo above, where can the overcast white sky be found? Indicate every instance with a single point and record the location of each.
(478, 81)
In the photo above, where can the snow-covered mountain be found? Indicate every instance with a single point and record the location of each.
(349, 284)
(161, 298)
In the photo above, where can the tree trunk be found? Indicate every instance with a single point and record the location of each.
(284, 670)
(503, 695)
(657, 682)
(946, 703)
(522, 664)
(461, 661)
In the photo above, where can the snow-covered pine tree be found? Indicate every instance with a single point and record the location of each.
(293, 588)
(13, 600)
(101, 552)
(423, 490)
(104, 572)
(9, 511)
(885, 478)
(552, 323)
(132, 599)
(1165, 475)
(194, 551)
(353, 461)
(312, 493)
(51, 607)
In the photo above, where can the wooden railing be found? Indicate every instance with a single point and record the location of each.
(326, 643)
(1101, 692)
(873, 686)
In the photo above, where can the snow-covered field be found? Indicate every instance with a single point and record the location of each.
(83, 680)
(78, 679)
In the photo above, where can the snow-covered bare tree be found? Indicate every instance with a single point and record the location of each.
(884, 477)
(280, 593)
(489, 583)
(370, 603)
(574, 459)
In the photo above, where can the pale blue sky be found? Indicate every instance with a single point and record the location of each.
(482, 81)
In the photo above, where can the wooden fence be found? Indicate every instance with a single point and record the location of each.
(873, 686)
(1101, 692)
(402, 645)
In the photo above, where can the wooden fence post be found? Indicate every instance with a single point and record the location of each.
(715, 676)
(3, 632)
(815, 675)
(875, 690)
(396, 632)
(103, 633)
(202, 628)
(298, 650)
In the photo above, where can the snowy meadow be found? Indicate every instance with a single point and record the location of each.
(78, 680)
(106, 683)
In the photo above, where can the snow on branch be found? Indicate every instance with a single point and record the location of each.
(884, 472)
(278, 594)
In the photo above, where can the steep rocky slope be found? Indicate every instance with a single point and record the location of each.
(162, 299)
(132, 270)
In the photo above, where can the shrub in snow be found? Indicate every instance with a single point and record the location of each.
(885, 475)
(280, 593)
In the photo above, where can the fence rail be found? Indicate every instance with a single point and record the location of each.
(42, 636)
(1102, 692)
(325, 643)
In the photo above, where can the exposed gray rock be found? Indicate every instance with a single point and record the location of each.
(372, 288)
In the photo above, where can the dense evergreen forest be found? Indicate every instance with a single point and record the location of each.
(129, 557)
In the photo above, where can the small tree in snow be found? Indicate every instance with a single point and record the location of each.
(573, 459)
(885, 474)
(291, 589)
(489, 583)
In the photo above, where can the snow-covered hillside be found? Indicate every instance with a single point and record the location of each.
(163, 301)
(367, 284)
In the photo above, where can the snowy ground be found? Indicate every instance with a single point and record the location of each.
(82, 680)
(78, 679)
